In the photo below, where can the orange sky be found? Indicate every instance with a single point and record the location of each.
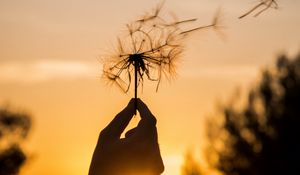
(49, 66)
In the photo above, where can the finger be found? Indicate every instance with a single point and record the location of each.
(146, 128)
(130, 133)
(115, 128)
(145, 113)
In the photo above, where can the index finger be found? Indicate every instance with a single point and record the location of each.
(115, 128)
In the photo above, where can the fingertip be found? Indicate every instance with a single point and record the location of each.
(129, 109)
(131, 102)
(144, 110)
(141, 103)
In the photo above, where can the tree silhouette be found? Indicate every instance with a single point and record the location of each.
(262, 138)
(14, 127)
(191, 166)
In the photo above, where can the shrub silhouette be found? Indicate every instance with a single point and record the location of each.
(191, 166)
(262, 138)
(14, 127)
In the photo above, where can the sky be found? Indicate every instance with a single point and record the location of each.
(49, 66)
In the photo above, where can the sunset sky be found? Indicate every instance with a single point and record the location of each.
(49, 66)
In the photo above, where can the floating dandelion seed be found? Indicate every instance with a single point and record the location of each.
(149, 49)
(264, 5)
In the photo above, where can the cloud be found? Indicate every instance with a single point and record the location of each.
(44, 70)
(223, 71)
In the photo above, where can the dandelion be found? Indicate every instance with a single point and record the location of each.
(149, 49)
(263, 6)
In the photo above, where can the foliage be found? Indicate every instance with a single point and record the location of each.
(190, 166)
(14, 128)
(263, 137)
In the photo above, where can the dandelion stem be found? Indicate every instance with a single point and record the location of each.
(135, 85)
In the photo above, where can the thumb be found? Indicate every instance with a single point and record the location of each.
(130, 133)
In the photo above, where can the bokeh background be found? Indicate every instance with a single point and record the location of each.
(49, 65)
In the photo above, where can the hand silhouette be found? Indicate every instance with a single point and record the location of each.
(136, 154)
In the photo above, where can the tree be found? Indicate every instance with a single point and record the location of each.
(262, 137)
(14, 128)
(191, 166)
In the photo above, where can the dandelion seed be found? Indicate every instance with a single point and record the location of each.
(149, 50)
(263, 6)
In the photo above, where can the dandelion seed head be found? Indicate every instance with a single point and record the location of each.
(150, 46)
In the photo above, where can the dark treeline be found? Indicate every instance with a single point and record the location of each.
(262, 137)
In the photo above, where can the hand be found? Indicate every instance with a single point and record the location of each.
(136, 154)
